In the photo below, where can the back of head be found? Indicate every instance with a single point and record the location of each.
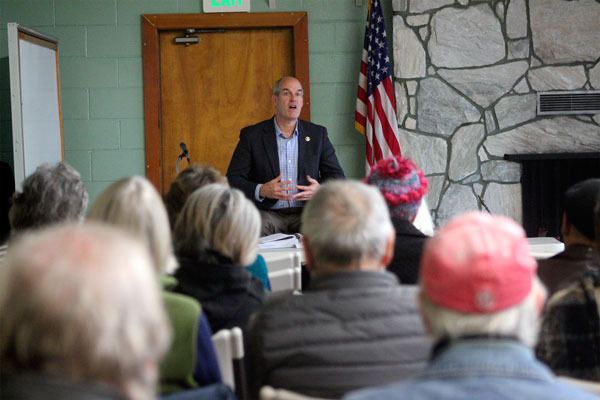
(476, 273)
(345, 223)
(193, 177)
(402, 185)
(579, 201)
(135, 206)
(82, 302)
(217, 220)
(52, 194)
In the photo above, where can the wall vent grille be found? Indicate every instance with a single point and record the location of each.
(568, 102)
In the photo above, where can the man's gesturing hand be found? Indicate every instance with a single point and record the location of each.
(275, 189)
(307, 191)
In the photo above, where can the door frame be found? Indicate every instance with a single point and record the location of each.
(152, 24)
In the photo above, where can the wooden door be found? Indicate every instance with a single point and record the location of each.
(205, 93)
(212, 89)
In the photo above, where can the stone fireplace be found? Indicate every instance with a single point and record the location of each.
(466, 76)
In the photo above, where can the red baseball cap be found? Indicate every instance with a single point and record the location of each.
(478, 264)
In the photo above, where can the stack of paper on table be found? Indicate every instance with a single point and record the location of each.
(278, 241)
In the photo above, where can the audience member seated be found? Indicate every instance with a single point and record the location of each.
(136, 207)
(52, 194)
(480, 300)
(569, 340)
(81, 317)
(194, 177)
(570, 336)
(402, 186)
(215, 234)
(578, 234)
(355, 326)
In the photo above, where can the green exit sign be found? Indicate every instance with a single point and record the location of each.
(221, 6)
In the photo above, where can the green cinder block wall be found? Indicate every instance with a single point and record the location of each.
(101, 76)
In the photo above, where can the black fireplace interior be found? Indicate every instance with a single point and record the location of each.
(544, 178)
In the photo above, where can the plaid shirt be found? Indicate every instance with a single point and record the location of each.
(569, 341)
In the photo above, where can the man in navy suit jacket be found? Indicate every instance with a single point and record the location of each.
(279, 163)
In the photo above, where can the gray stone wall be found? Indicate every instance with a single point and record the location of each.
(466, 75)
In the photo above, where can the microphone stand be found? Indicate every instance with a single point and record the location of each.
(184, 154)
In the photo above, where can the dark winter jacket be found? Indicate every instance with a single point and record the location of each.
(349, 330)
(228, 293)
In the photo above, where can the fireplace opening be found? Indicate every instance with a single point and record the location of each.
(544, 179)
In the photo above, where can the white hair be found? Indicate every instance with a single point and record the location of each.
(521, 321)
(345, 223)
(217, 218)
(134, 205)
(83, 303)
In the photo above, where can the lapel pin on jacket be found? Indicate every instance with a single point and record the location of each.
(307, 138)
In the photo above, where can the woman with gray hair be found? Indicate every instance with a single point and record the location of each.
(193, 178)
(52, 194)
(215, 234)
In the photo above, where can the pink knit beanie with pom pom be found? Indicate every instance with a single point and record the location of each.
(402, 185)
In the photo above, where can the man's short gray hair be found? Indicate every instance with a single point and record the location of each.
(217, 219)
(346, 222)
(52, 194)
(82, 302)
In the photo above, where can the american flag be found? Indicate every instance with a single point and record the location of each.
(375, 103)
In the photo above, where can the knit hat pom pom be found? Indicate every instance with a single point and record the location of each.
(401, 184)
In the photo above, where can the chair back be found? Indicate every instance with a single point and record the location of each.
(229, 346)
(286, 280)
(268, 393)
(285, 273)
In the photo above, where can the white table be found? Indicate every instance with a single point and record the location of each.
(545, 247)
(284, 264)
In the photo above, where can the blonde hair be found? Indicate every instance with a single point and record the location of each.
(220, 219)
(135, 206)
(82, 302)
(521, 321)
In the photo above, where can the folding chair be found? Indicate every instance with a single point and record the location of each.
(285, 273)
(229, 346)
(268, 393)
